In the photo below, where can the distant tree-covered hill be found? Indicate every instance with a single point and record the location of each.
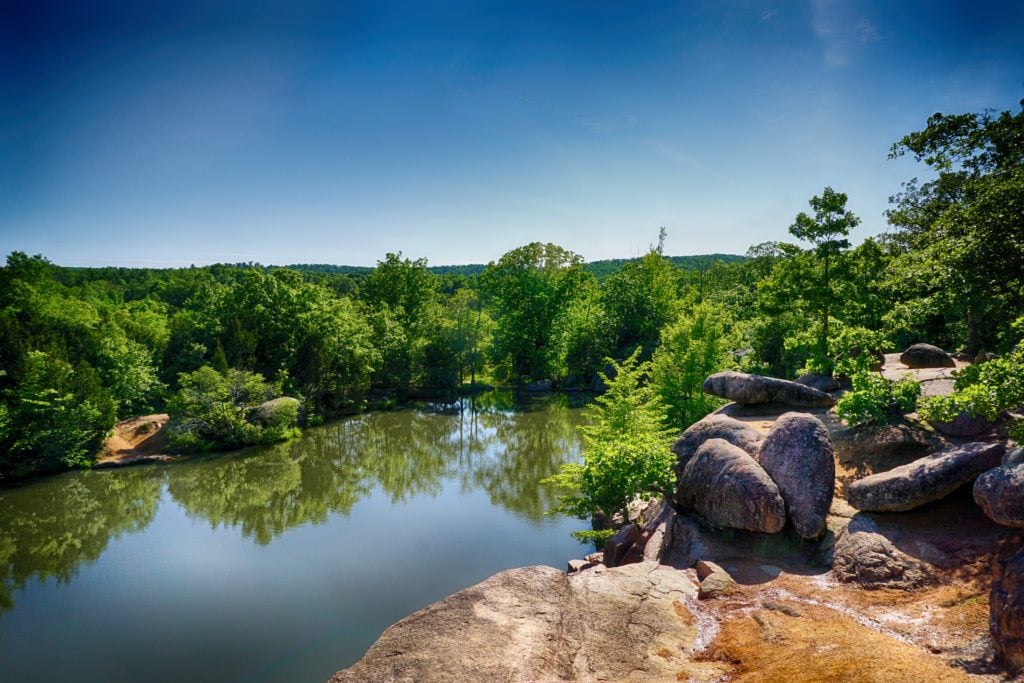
(600, 269)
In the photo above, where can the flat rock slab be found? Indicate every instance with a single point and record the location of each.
(927, 479)
(754, 390)
(537, 624)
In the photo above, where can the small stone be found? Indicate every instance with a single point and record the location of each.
(716, 585)
(577, 566)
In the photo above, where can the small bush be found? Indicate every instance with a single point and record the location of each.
(209, 412)
(983, 390)
(876, 399)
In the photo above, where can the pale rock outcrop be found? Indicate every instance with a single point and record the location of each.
(537, 623)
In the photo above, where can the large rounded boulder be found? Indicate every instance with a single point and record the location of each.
(929, 478)
(797, 454)
(734, 431)
(277, 412)
(1000, 494)
(727, 487)
(926, 356)
(754, 390)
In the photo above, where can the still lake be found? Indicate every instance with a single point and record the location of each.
(279, 563)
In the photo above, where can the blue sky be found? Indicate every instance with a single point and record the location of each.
(281, 132)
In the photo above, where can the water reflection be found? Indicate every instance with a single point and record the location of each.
(483, 445)
(50, 528)
(490, 443)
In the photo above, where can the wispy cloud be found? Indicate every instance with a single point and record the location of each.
(767, 15)
(842, 30)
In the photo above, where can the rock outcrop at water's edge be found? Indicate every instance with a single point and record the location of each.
(778, 601)
(538, 624)
(755, 390)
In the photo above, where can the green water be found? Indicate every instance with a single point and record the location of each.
(281, 563)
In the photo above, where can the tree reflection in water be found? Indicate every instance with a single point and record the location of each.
(489, 442)
(49, 528)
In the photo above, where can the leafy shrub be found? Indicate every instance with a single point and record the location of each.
(983, 390)
(625, 449)
(693, 347)
(209, 411)
(57, 417)
(874, 398)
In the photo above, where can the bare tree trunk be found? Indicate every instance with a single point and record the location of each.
(972, 332)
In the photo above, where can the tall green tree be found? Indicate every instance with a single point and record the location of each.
(967, 224)
(530, 289)
(641, 298)
(827, 230)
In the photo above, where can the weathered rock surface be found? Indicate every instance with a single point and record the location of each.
(874, 444)
(926, 356)
(754, 389)
(797, 454)
(863, 555)
(929, 478)
(1014, 456)
(1006, 611)
(616, 547)
(826, 383)
(1000, 494)
(537, 623)
(962, 426)
(734, 431)
(277, 412)
(716, 585)
(728, 488)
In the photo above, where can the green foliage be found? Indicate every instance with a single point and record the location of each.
(983, 390)
(626, 447)
(965, 225)
(641, 299)
(694, 346)
(874, 399)
(827, 231)
(58, 417)
(209, 411)
(530, 289)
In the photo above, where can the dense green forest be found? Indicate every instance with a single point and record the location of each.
(81, 348)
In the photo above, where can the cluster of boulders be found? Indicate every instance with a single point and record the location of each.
(732, 477)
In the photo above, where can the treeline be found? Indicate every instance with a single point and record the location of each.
(80, 348)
